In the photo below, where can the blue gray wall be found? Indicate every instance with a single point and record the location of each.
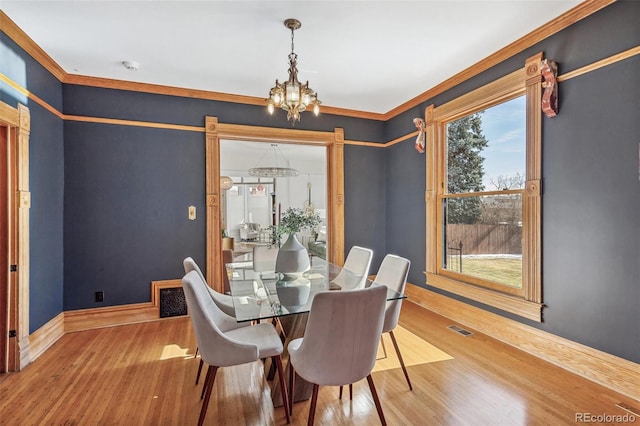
(126, 188)
(46, 178)
(591, 185)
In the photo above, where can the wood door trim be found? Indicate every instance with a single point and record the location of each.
(18, 123)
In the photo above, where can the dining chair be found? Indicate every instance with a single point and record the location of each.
(264, 259)
(355, 270)
(393, 274)
(223, 301)
(331, 354)
(224, 348)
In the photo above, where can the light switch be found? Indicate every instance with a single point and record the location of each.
(192, 212)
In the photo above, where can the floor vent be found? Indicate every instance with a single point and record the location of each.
(460, 330)
(172, 302)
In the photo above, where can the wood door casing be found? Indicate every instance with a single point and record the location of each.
(4, 249)
(15, 126)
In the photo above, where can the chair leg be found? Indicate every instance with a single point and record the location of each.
(292, 379)
(312, 409)
(199, 371)
(277, 360)
(207, 377)
(404, 369)
(372, 387)
(209, 386)
(350, 392)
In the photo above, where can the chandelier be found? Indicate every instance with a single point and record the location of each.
(292, 96)
(275, 170)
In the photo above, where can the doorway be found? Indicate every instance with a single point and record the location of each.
(14, 237)
(5, 301)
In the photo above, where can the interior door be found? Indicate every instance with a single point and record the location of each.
(4, 249)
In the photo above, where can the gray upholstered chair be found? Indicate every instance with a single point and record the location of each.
(224, 348)
(331, 354)
(355, 270)
(392, 273)
(223, 301)
(249, 231)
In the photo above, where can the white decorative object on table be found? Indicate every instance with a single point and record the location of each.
(293, 258)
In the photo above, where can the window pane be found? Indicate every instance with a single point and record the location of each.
(488, 243)
(486, 151)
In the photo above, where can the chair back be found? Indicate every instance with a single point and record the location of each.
(341, 339)
(215, 348)
(223, 301)
(355, 271)
(190, 265)
(393, 274)
(264, 258)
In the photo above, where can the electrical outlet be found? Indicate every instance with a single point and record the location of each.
(192, 212)
(99, 296)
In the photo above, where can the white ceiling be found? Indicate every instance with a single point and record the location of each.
(362, 55)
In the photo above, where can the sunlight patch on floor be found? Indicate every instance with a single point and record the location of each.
(174, 351)
(414, 351)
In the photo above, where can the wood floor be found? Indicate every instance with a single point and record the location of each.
(144, 374)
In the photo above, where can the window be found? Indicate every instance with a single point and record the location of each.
(483, 193)
(482, 200)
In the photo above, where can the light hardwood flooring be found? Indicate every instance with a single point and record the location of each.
(144, 374)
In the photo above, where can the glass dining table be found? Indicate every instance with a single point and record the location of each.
(286, 300)
(259, 296)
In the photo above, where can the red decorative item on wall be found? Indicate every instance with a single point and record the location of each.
(419, 145)
(549, 72)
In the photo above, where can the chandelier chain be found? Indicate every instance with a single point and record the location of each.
(292, 40)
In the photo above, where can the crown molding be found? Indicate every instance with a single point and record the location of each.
(568, 18)
(561, 22)
(28, 45)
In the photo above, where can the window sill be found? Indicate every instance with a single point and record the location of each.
(505, 302)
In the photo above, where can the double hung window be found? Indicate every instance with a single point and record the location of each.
(483, 193)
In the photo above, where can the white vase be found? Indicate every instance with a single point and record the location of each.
(292, 259)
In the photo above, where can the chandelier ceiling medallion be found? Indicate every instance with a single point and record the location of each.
(292, 96)
(273, 171)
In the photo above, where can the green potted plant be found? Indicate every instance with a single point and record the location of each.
(293, 258)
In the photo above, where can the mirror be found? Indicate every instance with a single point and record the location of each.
(252, 204)
(332, 143)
